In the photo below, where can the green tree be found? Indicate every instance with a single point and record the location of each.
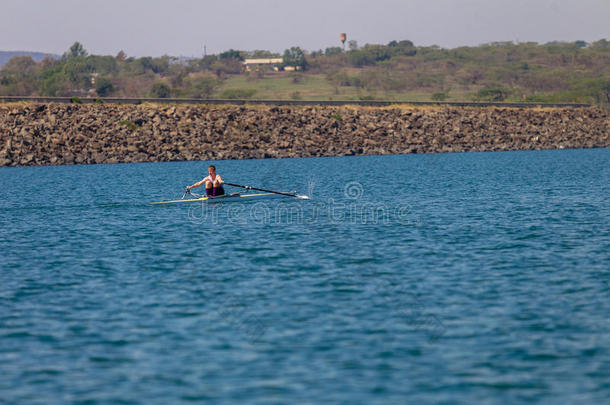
(19, 65)
(54, 82)
(262, 54)
(103, 64)
(145, 63)
(580, 44)
(160, 65)
(360, 58)
(601, 44)
(103, 86)
(294, 57)
(204, 63)
(371, 54)
(75, 51)
(334, 50)
(78, 71)
(405, 48)
(18, 77)
(231, 54)
(226, 66)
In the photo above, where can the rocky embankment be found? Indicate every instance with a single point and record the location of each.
(56, 134)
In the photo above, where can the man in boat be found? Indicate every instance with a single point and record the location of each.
(213, 183)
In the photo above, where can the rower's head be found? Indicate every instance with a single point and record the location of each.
(211, 170)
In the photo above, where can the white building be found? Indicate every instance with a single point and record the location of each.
(253, 64)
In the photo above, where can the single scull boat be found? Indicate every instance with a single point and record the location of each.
(237, 196)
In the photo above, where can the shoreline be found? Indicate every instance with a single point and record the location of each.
(41, 134)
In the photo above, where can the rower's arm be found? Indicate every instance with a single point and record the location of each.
(196, 184)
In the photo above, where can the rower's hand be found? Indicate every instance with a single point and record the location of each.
(187, 189)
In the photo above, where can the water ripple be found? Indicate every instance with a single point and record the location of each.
(455, 278)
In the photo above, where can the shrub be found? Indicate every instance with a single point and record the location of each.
(360, 58)
(492, 94)
(596, 90)
(103, 87)
(201, 86)
(338, 78)
(334, 50)
(440, 96)
(233, 94)
(160, 90)
(129, 125)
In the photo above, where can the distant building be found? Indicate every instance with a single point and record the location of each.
(272, 63)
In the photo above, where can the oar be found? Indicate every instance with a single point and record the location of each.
(303, 197)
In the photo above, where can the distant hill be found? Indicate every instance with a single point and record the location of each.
(5, 56)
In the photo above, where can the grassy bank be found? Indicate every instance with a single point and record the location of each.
(285, 86)
(555, 72)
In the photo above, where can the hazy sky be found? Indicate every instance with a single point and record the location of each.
(182, 27)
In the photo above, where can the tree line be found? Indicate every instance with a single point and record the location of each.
(553, 72)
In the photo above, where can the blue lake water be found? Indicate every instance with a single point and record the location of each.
(444, 278)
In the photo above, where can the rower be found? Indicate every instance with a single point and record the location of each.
(213, 183)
